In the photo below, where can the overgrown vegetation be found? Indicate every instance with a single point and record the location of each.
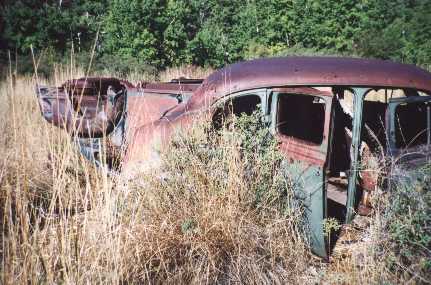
(144, 33)
(222, 211)
(406, 223)
(218, 211)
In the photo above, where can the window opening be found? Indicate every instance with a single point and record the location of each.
(236, 106)
(412, 124)
(301, 117)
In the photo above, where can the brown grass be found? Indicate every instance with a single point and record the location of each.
(65, 221)
(185, 71)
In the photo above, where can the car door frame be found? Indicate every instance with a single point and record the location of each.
(306, 164)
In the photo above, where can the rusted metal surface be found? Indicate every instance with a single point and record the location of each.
(311, 71)
(85, 107)
(169, 87)
(305, 164)
(91, 86)
(298, 149)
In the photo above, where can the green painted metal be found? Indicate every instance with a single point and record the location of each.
(308, 183)
(358, 103)
(309, 186)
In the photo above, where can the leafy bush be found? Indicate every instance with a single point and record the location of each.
(224, 212)
(407, 224)
(122, 67)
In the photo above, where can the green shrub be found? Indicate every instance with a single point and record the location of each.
(257, 154)
(407, 223)
(223, 211)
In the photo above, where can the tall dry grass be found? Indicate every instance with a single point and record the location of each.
(64, 221)
(221, 213)
(49, 198)
(185, 71)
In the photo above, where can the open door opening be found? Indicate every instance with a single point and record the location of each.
(340, 156)
(390, 121)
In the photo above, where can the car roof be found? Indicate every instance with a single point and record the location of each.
(311, 71)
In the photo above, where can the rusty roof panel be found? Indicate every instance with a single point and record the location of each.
(317, 71)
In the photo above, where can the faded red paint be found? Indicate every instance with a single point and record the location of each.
(91, 86)
(152, 112)
(156, 99)
(168, 87)
(311, 71)
(143, 110)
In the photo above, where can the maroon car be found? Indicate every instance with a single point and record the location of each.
(336, 120)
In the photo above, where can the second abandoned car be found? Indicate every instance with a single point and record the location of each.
(336, 120)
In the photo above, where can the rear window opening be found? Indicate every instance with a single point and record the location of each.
(373, 125)
(301, 117)
(411, 120)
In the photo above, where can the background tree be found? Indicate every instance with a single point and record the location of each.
(133, 29)
(399, 30)
(163, 33)
(55, 24)
(325, 24)
(182, 25)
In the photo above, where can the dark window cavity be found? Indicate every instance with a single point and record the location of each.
(301, 117)
(412, 124)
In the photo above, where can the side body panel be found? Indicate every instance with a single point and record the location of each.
(143, 109)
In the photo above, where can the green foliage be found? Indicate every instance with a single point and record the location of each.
(214, 33)
(214, 44)
(121, 67)
(209, 157)
(330, 226)
(407, 223)
(325, 24)
(188, 226)
(180, 30)
(49, 24)
(398, 30)
(132, 29)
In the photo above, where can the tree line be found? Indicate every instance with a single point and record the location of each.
(164, 33)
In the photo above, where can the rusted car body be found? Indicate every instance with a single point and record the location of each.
(342, 123)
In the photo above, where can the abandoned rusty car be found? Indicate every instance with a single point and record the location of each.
(335, 118)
